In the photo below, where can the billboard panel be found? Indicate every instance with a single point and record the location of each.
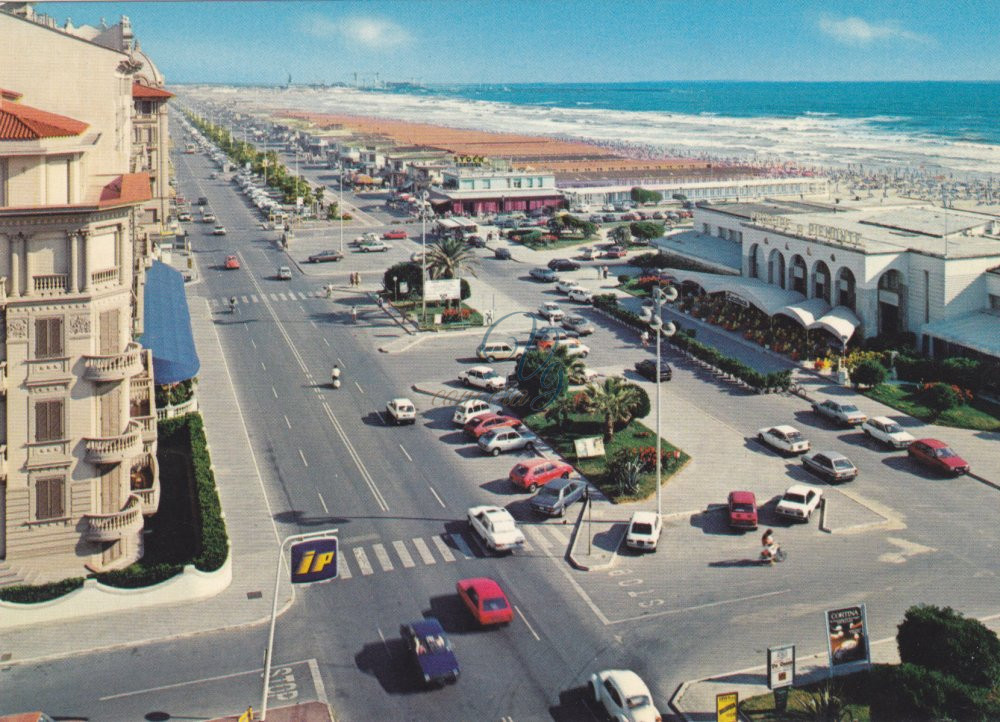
(847, 636)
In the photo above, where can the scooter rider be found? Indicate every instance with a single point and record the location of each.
(770, 547)
(335, 376)
(232, 304)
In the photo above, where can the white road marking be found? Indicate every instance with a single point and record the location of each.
(326, 342)
(362, 559)
(341, 363)
(443, 549)
(317, 680)
(282, 297)
(383, 557)
(384, 643)
(253, 297)
(435, 494)
(557, 533)
(343, 572)
(403, 554)
(252, 343)
(462, 545)
(263, 366)
(423, 551)
(535, 533)
(379, 499)
(303, 296)
(906, 549)
(303, 456)
(322, 503)
(408, 457)
(274, 297)
(259, 671)
(274, 392)
(383, 417)
(287, 422)
(527, 623)
(699, 606)
(243, 299)
(313, 324)
(359, 387)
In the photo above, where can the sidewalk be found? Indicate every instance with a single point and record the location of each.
(305, 712)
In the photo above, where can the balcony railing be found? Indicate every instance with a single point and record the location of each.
(112, 527)
(115, 367)
(147, 424)
(115, 449)
(108, 275)
(145, 483)
(50, 283)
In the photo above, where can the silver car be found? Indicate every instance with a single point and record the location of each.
(576, 322)
(842, 413)
(508, 438)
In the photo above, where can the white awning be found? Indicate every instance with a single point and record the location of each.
(769, 299)
(840, 321)
(806, 312)
(448, 224)
(979, 331)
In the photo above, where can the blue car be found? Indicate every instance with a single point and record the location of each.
(426, 641)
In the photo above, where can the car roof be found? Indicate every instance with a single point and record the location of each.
(800, 489)
(933, 443)
(479, 368)
(532, 463)
(831, 455)
(557, 484)
(742, 497)
(785, 429)
(882, 420)
(644, 517)
(483, 585)
(402, 400)
(628, 681)
(427, 627)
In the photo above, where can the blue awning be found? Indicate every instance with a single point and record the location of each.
(168, 326)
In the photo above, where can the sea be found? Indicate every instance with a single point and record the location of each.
(934, 128)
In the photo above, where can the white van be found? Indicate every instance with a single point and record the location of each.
(499, 351)
(471, 408)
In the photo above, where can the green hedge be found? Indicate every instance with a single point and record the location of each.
(973, 374)
(214, 539)
(28, 594)
(914, 693)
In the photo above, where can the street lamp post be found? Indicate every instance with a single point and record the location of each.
(340, 208)
(423, 256)
(660, 296)
(395, 283)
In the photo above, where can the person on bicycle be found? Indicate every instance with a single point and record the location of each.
(232, 304)
(770, 546)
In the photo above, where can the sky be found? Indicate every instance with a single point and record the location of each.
(498, 41)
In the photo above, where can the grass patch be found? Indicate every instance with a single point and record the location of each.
(556, 245)
(855, 690)
(979, 415)
(633, 288)
(411, 310)
(632, 436)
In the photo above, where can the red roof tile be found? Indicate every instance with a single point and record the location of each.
(125, 189)
(10, 94)
(22, 122)
(147, 92)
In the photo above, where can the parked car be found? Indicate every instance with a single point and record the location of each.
(533, 473)
(609, 218)
(576, 322)
(624, 696)
(507, 439)
(374, 247)
(742, 510)
(830, 465)
(284, 273)
(202, 201)
(647, 368)
(786, 439)
(219, 230)
(615, 252)
(799, 502)
(184, 216)
(430, 650)
(565, 285)
(479, 425)
(485, 600)
(547, 275)
(502, 254)
(326, 256)
(574, 347)
(580, 295)
(496, 527)
(937, 455)
(395, 234)
(401, 411)
(884, 429)
(563, 264)
(499, 350)
(471, 408)
(644, 530)
(596, 218)
(475, 242)
(587, 253)
(846, 414)
(555, 497)
(483, 377)
(551, 312)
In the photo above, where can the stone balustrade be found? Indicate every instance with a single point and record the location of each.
(108, 275)
(50, 282)
(115, 449)
(112, 527)
(116, 366)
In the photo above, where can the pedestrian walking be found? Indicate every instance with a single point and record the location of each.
(600, 271)
(357, 279)
(605, 272)
(645, 338)
(354, 314)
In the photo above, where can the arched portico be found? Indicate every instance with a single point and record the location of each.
(891, 302)
(776, 268)
(821, 281)
(797, 280)
(846, 290)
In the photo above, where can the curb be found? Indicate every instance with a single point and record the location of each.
(570, 556)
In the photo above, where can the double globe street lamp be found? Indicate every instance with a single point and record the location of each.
(660, 296)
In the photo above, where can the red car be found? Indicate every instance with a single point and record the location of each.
(742, 510)
(232, 263)
(534, 473)
(615, 252)
(938, 456)
(479, 425)
(486, 600)
(395, 234)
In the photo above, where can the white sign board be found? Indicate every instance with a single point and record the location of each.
(443, 288)
(589, 447)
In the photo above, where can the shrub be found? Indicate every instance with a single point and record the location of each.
(32, 594)
(464, 289)
(214, 546)
(964, 372)
(915, 693)
(139, 575)
(624, 470)
(943, 640)
(624, 278)
(409, 273)
(940, 397)
(869, 373)
(642, 195)
(647, 230)
(642, 405)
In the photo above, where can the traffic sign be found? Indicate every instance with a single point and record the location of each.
(314, 560)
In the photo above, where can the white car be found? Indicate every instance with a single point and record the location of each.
(470, 409)
(580, 295)
(496, 527)
(375, 246)
(401, 411)
(574, 347)
(799, 502)
(284, 273)
(624, 695)
(644, 531)
(565, 285)
(219, 231)
(786, 439)
(551, 312)
(884, 429)
(483, 377)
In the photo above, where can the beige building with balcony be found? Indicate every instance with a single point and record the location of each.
(78, 469)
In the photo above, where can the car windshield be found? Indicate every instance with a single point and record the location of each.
(794, 498)
(548, 492)
(745, 508)
(842, 464)
(945, 453)
(636, 701)
(489, 374)
(848, 408)
(642, 527)
(893, 428)
(794, 436)
(431, 643)
(520, 469)
(494, 604)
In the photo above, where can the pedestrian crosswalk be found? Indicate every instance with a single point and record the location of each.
(255, 298)
(375, 558)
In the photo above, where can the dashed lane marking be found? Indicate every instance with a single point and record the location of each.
(403, 554)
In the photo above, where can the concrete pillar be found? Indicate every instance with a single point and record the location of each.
(15, 268)
(27, 287)
(85, 243)
(74, 262)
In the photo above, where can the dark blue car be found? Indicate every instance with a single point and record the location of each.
(431, 649)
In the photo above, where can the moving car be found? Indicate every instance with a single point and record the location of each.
(202, 201)
(799, 502)
(647, 368)
(431, 650)
(401, 411)
(325, 256)
(184, 216)
(496, 527)
(644, 530)
(502, 254)
(219, 230)
(937, 455)
(533, 473)
(472, 408)
(232, 263)
(884, 429)
(565, 286)
(374, 247)
(507, 439)
(395, 234)
(563, 264)
(483, 377)
(484, 598)
(576, 322)
(284, 273)
(587, 253)
(503, 350)
(843, 413)
(208, 217)
(580, 295)
(574, 347)
(615, 252)
(830, 465)
(479, 425)
(742, 510)
(553, 498)
(624, 696)
(546, 275)
(551, 312)
(786, 439)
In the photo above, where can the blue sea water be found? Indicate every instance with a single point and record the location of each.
(957, 111)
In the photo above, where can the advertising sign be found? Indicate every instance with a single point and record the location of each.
(589, 447)
(444, 288)
(780, 666)
(847, 636)
(727, 706)
(314, 560)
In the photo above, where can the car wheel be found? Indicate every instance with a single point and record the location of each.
(565, 475)
(491, 359)
(594, 690)
(532, 487)
(530, 446)
(495, 452)
(584, 354)
(467, 382)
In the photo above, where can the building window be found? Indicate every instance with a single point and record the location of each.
(49, 420)
(994, 302)
(48, 337)
(50, 498)
(927, 296)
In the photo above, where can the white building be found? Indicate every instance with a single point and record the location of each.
(699, 189)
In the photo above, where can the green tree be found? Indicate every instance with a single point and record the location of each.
(615, 400)
(586, 228)
(940, 398)
(559, 410)
(408, 273)
(943, 640)
(642, 406)
(620, 235)
(641, 196)
(450, 258)
(646, 229)
(869, 373)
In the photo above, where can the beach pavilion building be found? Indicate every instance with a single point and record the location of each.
(475, 190)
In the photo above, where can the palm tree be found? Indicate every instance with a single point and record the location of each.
(560, 409)
(615, 400)
(621, 235)
(450, 258)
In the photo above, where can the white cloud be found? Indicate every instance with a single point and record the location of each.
(855, 31)
(372, 32)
